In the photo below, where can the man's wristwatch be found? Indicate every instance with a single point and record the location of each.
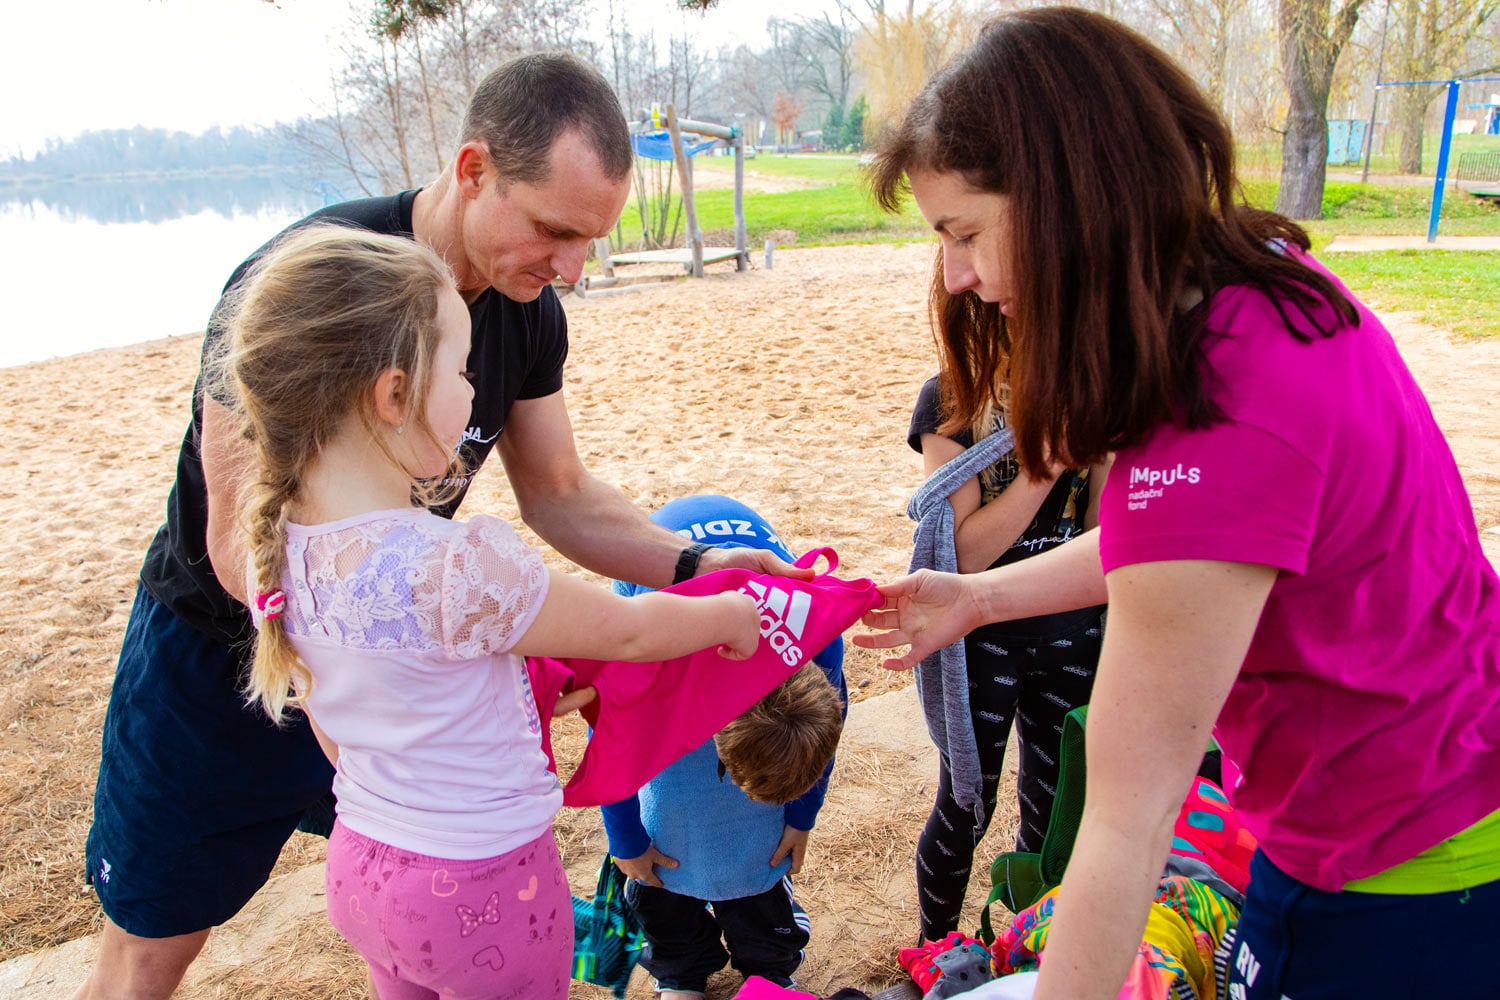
(687, 562)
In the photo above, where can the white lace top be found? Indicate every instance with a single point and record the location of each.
(404, 620)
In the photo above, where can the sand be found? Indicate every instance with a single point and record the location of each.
(788, 388)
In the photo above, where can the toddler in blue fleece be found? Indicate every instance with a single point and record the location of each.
(710, 866)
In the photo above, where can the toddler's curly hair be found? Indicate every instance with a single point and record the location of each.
(779, 748)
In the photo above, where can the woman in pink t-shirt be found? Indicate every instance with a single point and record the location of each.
(1288, 550)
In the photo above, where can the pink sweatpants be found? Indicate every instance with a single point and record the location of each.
(474, 930)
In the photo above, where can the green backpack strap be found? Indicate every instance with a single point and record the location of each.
(1019, 878)
(1015, 876)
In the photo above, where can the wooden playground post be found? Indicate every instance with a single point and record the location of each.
(698, 255)
(694, 234)
(736, 138)
(742, 261)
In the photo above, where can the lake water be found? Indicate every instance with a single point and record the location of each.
(85, 266)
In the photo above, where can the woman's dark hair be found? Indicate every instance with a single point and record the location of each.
(1123, 197)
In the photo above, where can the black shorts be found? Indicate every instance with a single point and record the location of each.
(197, 792)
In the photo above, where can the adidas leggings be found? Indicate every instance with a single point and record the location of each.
(1033, 680)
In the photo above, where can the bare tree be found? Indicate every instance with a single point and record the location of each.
(745, 83)
(686, 69)
(821, 53)
(1202, 31)
(1430, 42)
(1311, 36)
(408, 71)
(900, 46)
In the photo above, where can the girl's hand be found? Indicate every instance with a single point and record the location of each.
(928, 610)
(742, 619)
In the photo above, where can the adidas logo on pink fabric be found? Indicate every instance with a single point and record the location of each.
(685, 700)
(783, 617)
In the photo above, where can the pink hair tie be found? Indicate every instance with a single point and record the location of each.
(271, 605)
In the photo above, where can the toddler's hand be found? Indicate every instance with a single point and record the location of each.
(574, 701)
(742, 621)
(794, 845)
(643, 868)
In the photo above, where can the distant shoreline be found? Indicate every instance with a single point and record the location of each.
(47, 180)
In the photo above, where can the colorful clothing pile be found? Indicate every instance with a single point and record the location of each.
(1184, 927)
(947, 967)
(1189, 918)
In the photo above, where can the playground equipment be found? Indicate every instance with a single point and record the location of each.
(658, 136)
(1440, 180)
(1346, 140)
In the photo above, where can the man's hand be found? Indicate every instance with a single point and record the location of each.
(643, 868)
(755, 560)
(793, 842)
(928, 610)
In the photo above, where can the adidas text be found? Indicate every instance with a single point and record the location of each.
(783, 616)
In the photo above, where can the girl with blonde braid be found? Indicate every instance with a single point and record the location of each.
(400, 634)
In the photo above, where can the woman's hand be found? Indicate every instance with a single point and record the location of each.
(927, 610)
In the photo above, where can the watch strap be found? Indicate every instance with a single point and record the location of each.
(687, 562)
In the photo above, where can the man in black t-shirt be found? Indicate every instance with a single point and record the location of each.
(197, 792)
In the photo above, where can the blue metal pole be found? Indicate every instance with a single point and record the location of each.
(1442, 164)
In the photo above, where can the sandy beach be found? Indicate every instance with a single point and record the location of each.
(789, 389)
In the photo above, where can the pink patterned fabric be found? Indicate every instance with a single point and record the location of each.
(481, 929)
(648, 715)
(1209, 830)
(407, 579)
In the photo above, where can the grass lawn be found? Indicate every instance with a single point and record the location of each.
(1265, 157)
(1385, 210)
(837, 209)
(1452, 289)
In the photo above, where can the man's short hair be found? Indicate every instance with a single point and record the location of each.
(778, 750)
(519, 110)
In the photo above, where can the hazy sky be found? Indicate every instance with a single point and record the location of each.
(74, 65)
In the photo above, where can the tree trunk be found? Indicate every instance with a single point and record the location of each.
(1410, 117)
(1310, 48)
(1304, 148)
